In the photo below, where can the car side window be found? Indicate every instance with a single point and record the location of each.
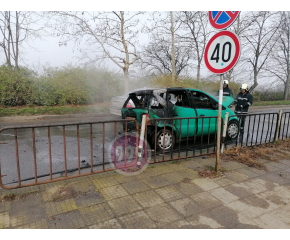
(201, 100)
(179, 98)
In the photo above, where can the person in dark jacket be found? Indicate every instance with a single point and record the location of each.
(243, 100)
(227, 92)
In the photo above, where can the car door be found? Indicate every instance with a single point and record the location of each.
(205, 107)
(182, 109)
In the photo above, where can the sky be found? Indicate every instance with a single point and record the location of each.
(47, 51)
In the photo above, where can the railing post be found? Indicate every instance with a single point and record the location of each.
(278, 126)
(225, 131)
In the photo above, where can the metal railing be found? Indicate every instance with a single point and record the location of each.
(36, 154)
(31, 154)
(258, 129)
(191, 142)
(284, 130)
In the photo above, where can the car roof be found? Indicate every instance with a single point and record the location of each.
(142, 90)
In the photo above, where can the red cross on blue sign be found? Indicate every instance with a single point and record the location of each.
(222, 19)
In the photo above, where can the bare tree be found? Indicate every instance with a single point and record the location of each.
(260, 38)
(172, 47)
(280, 66)
(157, 58)
(15, 29)
(162, 28)
(195, 34)
(109, 36)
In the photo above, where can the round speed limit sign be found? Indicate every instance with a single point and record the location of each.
(222, 52)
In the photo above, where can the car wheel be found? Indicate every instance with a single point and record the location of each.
(233, 130)
(165, 139)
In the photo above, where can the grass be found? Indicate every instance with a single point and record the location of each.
(252, 156)
(271, 103)
(55, 110)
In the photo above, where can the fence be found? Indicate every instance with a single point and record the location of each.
(46, 153)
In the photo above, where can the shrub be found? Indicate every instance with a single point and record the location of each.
(17, 87)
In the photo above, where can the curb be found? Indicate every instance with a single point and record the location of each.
(48, 117)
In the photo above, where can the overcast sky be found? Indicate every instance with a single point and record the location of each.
(48, 50)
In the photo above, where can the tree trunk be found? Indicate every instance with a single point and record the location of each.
(126, 79)
(286, 91)
(198, 71)
(172, 48)
(255, 82)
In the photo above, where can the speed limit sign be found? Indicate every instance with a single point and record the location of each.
(222, 52)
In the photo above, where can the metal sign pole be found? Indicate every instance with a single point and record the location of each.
(217, 164)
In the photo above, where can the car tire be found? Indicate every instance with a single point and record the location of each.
(232, 130)
(169, 140)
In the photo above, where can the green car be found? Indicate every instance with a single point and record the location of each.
(177, 103)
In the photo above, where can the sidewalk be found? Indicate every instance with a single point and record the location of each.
(165, 195)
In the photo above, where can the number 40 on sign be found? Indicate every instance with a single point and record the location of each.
(222, 52)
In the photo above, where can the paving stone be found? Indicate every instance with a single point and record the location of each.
(187, 207)
(232, 165)
(137, 220)
(110, 224)
(105, 182)
(124, 205)
(191, 164)
(205, 184)
(148, 198)
(224, 216)
(277, 219)
(167, 168)
(224, 195)
(278, 165)
(148, 172)
(5, 206)
(203, 220)
(135, 186)
(256, 185)
(113, 192)
(247, 172)
(236, 177)
(20, 219)
(260, 172)
(239, 190)
(173, 177)
(89, 198)
(48, 194)
(97, 213)
(206, 200)
(276, 178)
(126, 179)
(42, 224)
(162, 214)
(4, 220)
(257, 201)
(285, 162)
(55, 208)
(180, 224)
(83, 187)
(189, 188)
(223, 181)
(155, 182)
(271, 168)
(188, 174)
(169, 193)
(70, 220)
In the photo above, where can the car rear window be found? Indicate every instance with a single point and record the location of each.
(137, 101)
